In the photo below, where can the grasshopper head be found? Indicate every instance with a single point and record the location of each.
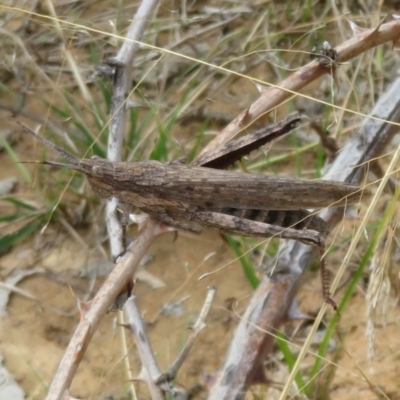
(100, 173)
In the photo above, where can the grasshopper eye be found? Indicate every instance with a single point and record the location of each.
(95, 157)
(97, 170)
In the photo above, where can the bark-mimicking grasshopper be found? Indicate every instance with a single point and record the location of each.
(232, 202)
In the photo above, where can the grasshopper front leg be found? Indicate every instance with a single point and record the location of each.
(166, 219)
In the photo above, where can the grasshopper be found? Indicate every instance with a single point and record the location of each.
(191, 196)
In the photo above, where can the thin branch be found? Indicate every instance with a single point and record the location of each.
(275, 95)
(151, 372)
(197, 328)
(122, 82)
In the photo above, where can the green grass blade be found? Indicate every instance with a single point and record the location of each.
(9, 240)
(290, 359)
(244, 261)
(21, 167)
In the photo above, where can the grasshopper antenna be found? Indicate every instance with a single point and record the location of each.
(72, 159)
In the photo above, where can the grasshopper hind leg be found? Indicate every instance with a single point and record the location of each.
(325, 281)
(244, 227)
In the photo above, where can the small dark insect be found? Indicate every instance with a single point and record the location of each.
(326, 55)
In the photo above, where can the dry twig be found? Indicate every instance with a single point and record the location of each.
(156, 381)
(275, 95)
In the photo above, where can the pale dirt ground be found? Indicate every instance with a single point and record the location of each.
(34, 335)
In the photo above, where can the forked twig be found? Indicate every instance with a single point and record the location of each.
(156, 381)
(196, 329)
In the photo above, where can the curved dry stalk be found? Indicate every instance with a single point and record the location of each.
(271, 302)
(275, 95)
